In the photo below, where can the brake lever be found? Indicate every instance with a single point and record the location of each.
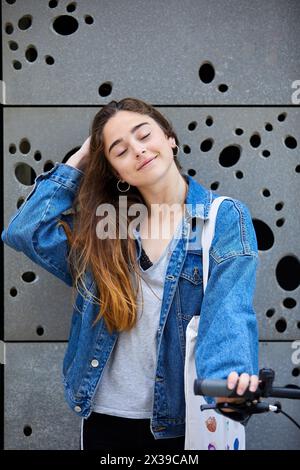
(247, 407)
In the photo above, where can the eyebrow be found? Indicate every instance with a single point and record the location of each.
(116, 142)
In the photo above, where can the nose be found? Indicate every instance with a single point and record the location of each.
(140, 150)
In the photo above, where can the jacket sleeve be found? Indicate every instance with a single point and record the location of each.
(228, 334)
(33, 228)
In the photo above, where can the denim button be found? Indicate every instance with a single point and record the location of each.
(95, 363)
(77, 409)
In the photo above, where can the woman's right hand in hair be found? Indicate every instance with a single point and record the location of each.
(78, 159)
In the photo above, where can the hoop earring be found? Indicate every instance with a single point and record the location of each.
(176, 154)
(122, 190)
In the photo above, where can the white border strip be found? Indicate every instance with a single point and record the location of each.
(81, 439)
(2, 352)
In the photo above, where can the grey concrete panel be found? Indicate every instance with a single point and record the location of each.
(152, 50)
(278, 173)
(270, 431)
(30, 307)
(36, 416)
(35, 404)
(39, 310)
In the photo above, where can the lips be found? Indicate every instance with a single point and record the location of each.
(146, 162)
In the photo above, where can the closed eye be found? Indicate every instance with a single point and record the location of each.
(142, 138)
(145, 136)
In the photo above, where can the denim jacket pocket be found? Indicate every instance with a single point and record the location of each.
(190, 286)
(189, 293)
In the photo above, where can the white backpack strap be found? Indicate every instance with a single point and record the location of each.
(208, 233)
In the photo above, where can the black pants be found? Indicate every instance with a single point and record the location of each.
(104, 432)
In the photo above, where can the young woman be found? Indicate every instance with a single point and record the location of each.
(96, 223)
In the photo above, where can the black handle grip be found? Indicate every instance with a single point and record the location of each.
(218, 388)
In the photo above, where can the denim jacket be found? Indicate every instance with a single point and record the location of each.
(228, 336)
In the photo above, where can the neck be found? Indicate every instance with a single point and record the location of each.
(170, 189)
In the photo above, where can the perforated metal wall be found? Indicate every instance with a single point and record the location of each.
(36, 415)
(175, 55)
(67, 52)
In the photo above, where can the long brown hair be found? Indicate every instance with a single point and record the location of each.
(110, 260)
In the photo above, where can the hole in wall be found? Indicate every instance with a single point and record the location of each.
(264, 235)
(289, 302)
(17, 64)
(279, 206)
(39, 330)
(192, 126)
(24, 146)
(25, 174)
(255, 140)
(206, 145)
(65, 25)
(214, 186)
(27, 430)
(230, 156)
(186, 149)
(37, 156)
(206, 72)
(270, 312)
(290, 142)
(71, 7)
(49, 60)
(268, 127)
(20, 202)
(209, 121)
(280, 222)
(281, 325)
(239, 131)
(9, 29)
(223, 88)
(12, 148)
(13, 292)
(10, 2)
(31, 53)
(28, 276)
(52, 4)
(105, 89)
(281, 117)
(239, 175)
(13, 45)
(265, 153)
(288, 272)
(192, 172)
(25, 22)
(89, 19)
(266, 192)
(48, 165)
(296, 372)
(294, 386)
(297, 169)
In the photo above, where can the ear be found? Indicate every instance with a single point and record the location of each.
(172, 142)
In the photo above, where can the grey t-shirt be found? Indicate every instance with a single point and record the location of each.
(127, 386)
